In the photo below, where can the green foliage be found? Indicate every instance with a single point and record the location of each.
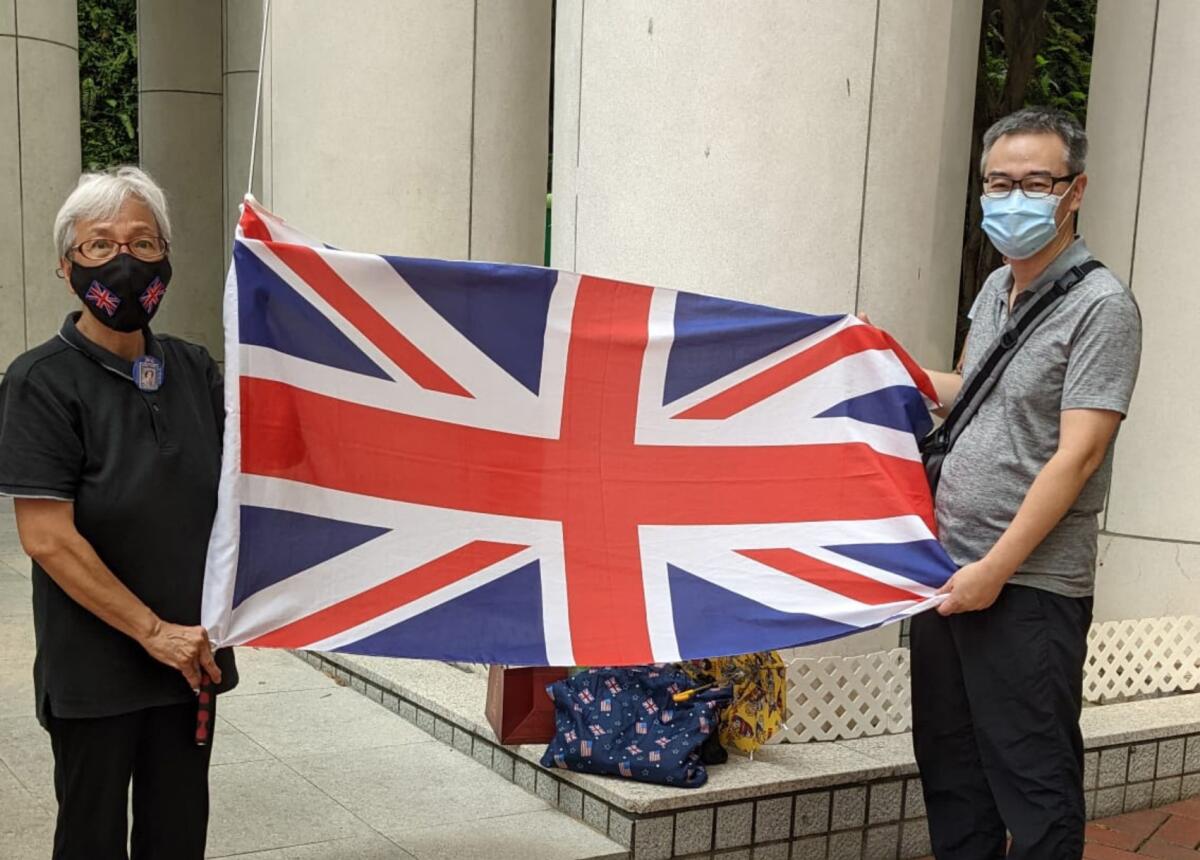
(1062, 63)
(1031, 52)
(108, 93)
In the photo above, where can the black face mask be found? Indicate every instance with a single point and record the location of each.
(124, 293)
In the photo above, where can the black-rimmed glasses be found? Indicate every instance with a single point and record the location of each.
(1034, 185)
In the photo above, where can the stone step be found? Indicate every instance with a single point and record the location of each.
(838, 798)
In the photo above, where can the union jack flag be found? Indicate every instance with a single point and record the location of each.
(570, 736)
(663, 742)
(152, 295)
(103, 298)
(597, 730)
(586, 697)
(613, 686)
(510, 464)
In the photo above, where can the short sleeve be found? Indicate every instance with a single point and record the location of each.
(975, 306)
(216, 392)
(1106, 350)
(41, 454)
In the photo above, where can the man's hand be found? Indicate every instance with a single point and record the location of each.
(973, 588)
(184, 648)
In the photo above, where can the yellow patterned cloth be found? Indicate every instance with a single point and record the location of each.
(759, 705)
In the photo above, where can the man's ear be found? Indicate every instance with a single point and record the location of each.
(1077, 192)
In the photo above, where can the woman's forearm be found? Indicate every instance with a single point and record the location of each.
(49, 537)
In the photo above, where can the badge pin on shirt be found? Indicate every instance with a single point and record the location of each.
(148, 373)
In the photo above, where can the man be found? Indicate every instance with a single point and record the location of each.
(997, 670)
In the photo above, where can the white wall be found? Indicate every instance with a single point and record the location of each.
(179, 121)
(803, 155)
(39, 165)
(1144, 128)
(411, 127)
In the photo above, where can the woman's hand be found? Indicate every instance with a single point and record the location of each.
(184, 648)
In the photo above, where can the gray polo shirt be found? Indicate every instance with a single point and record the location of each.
(1083, 356)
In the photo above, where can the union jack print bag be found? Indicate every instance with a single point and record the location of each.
(625, 722)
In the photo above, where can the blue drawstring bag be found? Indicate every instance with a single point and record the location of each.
(625, 722)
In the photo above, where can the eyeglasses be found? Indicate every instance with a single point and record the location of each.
(146, 248)
(1034, 185)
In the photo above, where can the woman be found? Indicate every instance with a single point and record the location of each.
(110, 442)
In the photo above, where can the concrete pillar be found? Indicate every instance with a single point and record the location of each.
(804, 155)
(411, 127)
(179, 120)
(243, 39)
(39, 164)
(1139, 217)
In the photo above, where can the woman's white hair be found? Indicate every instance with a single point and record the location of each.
(99, 196)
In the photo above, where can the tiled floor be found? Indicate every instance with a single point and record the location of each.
(302, 768)
(1168, 833)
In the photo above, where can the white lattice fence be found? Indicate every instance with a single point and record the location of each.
(838, 698)
(832, 698)
(1143, 657)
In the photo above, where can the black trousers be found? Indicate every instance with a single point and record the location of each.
(94, 761)
(996, 697)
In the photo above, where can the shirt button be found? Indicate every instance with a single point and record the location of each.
(154, 406)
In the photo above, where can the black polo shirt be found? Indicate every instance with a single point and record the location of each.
(142, 470)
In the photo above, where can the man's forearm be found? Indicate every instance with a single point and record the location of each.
(947, 385)
(1050, 496)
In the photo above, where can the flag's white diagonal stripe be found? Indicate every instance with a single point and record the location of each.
(423, 604)
(420, 534)
(755, 367)
(386, 291)
(405, 398)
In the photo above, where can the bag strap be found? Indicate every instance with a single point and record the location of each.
(983, 380)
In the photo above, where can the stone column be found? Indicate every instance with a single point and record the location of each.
(179, 120)
(411, 127)
(243, 39)
(39, 164)
(804, 155)
(1139, 217)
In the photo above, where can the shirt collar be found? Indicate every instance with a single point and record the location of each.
(109, 361)
(1075, 254)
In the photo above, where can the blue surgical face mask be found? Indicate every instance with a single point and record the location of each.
(1020, 226)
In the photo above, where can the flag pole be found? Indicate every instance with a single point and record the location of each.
(262, 54)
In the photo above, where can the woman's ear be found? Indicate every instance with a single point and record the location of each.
(64, 271)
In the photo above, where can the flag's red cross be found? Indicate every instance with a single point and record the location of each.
(594, 478)
(152, 295)
(103, 298)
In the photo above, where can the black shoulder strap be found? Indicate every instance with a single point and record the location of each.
(983, 380)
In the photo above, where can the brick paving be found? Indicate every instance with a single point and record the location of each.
(1168, 833)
